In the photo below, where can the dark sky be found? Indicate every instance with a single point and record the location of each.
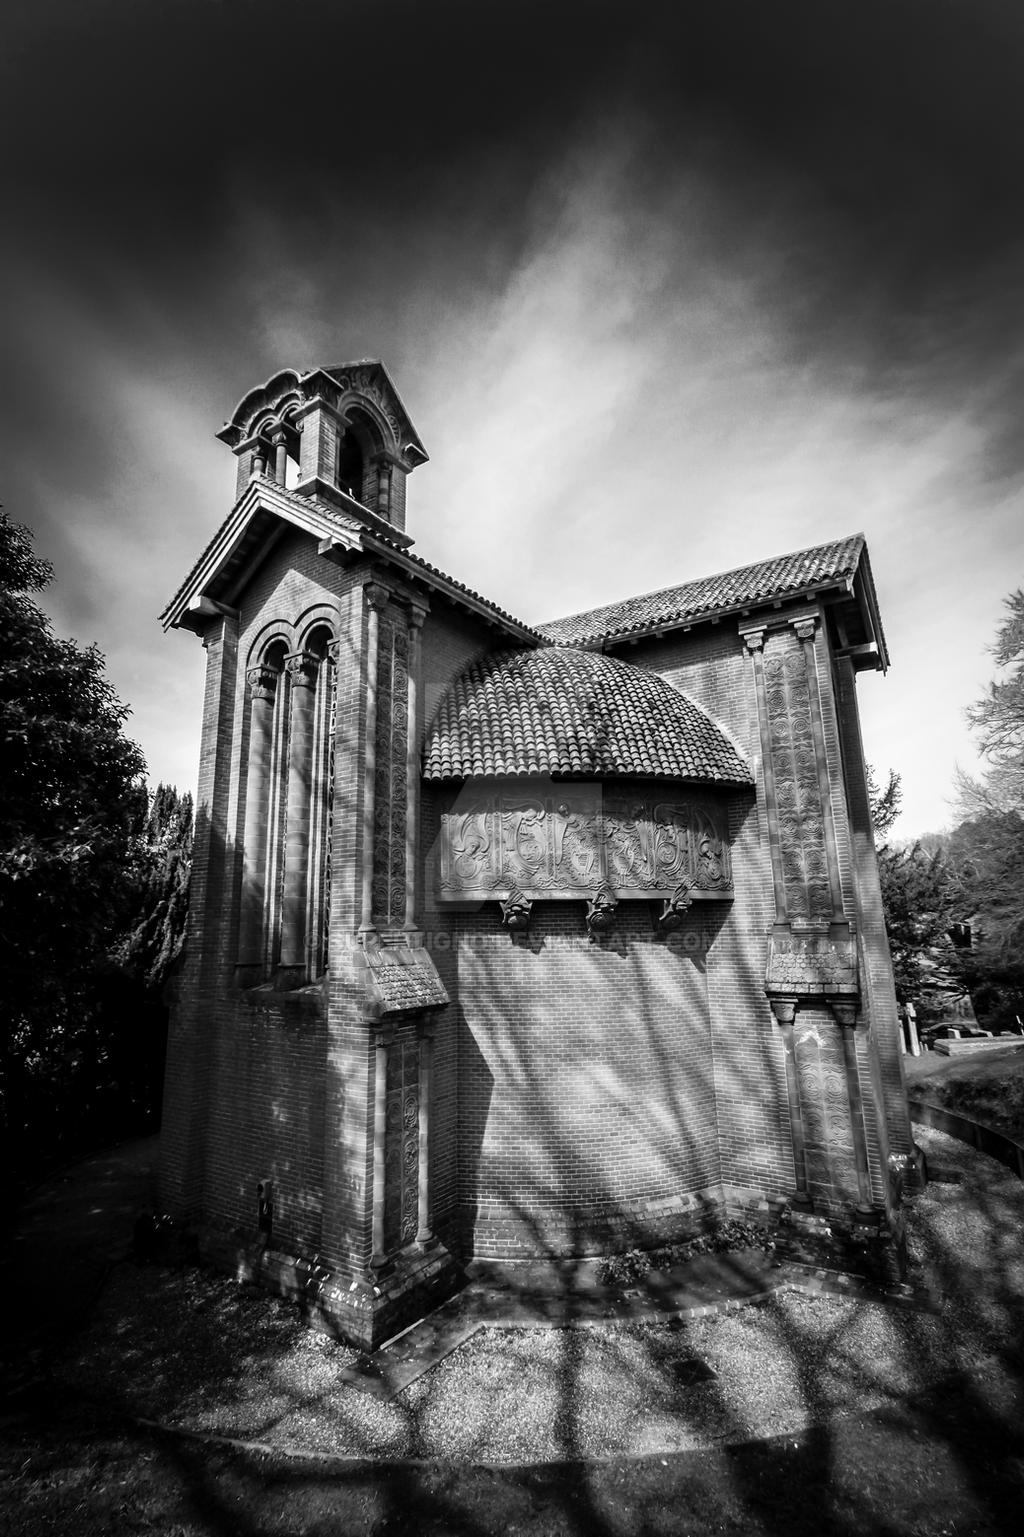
(666, 287)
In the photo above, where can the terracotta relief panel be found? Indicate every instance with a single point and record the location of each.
(575, 841)
(798, 794)
(401, 1144)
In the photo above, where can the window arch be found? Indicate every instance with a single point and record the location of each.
(285, 879)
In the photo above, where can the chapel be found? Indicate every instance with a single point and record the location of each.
(512, 939)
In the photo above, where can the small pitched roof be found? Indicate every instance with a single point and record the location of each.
(264, 512)
(558, 710)
(824, 565)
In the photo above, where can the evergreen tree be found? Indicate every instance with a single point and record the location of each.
(155, 933)
(70, 797)
(917, 898)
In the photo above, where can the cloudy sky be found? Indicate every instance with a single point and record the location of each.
(666, 288)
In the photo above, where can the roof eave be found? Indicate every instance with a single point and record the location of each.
(186, 607)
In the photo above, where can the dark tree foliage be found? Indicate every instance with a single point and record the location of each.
(153, 938)
(987, 855)
(918, 900)
(986, 850)
(70, 799)
(998, 717)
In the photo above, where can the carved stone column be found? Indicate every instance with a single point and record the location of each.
(376, 599)
(279, 443)
(259, 460)
(412, 775)
(755, 645)
(262, 683)
(784, 1010)
(424, 1232)
(302, 669)
(844, 1011)
(382, 1045)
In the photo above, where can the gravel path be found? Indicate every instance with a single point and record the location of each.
(193, 1351)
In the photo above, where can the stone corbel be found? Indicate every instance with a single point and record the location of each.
(516, 910)
(675, 908)
(601, 911)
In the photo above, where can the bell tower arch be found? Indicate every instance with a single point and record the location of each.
(341, 434)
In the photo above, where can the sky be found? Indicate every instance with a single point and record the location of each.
(666, 289)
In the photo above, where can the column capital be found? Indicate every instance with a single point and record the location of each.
(376, 595)
(262, 681)
(302, 668)
(805, 627)
(333, 652)
(844, 1012)
(754, 640)
(784, 1009)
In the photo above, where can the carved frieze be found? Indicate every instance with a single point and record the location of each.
(576, 840)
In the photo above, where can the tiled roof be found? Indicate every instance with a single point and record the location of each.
(786, 575)
(561, 711)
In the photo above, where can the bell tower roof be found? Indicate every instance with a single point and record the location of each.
(342, 385)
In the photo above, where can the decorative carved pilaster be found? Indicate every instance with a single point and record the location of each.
(799, 808)
(382, 1045)
(806, 630)
(391, 758)
(376, 598)
(417, 615)
(333, 652)
(844, 1011)
(424, 1231)
(784, 1010)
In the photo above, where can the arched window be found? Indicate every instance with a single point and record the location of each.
(260, 852)
(285, 892)
(351, 465)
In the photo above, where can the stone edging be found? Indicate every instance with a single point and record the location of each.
(984, 1138)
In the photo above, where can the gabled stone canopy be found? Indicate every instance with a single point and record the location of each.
(559, 710)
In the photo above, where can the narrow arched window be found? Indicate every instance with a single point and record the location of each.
(268, 711)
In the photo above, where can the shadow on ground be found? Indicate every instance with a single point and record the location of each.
(917, 1434)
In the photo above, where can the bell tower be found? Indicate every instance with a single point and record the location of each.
(339, 434)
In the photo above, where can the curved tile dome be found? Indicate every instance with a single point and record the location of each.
(559, 710)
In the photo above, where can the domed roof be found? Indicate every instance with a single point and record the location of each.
(559, 710)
